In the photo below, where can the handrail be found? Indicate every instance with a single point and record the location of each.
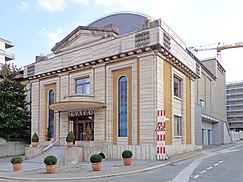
(49, 146)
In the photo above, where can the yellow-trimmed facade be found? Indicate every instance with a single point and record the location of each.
(91, 100)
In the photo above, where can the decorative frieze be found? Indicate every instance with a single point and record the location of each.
(31, 70)
(142, 39)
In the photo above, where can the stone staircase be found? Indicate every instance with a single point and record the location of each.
(57, 151)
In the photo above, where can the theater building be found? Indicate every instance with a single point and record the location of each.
(106, 82)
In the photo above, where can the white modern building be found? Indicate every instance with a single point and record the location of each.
(5, 55)
(235, 105)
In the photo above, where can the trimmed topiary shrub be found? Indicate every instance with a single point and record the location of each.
(50, 160)
(70, 137)
(95, 158)
(16, 160)
(35, 138)
(102, 155)
(127, 154)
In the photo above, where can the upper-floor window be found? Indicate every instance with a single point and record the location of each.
(177, 126)
(177, 86)
(202, 105)
(122, 107)
(83, 86)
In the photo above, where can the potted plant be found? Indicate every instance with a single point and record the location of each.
(35, 140)
(70, 139)
(127, 157)
(17, 163)
(102, 155)
(50, 162)
(95, 160)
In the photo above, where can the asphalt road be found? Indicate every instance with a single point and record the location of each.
(225, 166)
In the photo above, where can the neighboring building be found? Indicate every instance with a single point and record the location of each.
(106, 83)
(5, 56)
(235, 105)
(210, 104)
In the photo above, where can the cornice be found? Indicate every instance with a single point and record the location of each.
(117, 57)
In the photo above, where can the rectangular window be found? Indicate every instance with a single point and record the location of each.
(177, 86)
(83, 86)
(177, 126)
(202, 105)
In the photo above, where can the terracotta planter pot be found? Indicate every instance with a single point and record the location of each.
(17, 167)
(34, 144)
(96, 166)
(50, 169)
(127, 161)
(70, 144)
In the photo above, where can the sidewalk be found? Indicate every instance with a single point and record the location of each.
(36, 170)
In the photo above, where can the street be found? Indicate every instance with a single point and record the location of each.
(222, 165)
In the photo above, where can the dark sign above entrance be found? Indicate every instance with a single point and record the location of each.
(81, 113)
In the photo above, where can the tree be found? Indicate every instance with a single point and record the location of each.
(14, 114)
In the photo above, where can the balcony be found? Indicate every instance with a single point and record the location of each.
(77, 102)
(8, 55)
(79, 97)
(211, 116)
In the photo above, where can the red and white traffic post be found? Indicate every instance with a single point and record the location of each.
(160, 130)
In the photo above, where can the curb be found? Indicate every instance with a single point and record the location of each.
(102, 176)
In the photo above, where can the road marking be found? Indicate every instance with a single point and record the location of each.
(228, 151)
(203, 171)
(216, 164)
(209, 167)
(195, 177)
(221, 162)
(185, 174)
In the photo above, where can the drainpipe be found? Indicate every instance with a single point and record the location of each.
(59, 132)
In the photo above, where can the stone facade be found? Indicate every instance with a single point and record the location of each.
(148, 58)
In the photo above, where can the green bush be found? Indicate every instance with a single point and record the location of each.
(50, 160)
(102, 155)
(127, 154)
(16, 160)
(95, 158)
(35, 138)
(70, 137)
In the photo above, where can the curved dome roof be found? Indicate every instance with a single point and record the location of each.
(126, 21)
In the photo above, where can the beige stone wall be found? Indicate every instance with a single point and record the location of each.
(35, 107)
(148, 109)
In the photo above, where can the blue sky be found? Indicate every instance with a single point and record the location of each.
(34, 26)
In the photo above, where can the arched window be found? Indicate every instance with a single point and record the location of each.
(122, 107)
(51, 113)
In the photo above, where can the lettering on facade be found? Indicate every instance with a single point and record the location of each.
(31, 70)
(142, 39)
(81, 113)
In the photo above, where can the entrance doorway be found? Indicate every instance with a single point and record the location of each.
(83, 127)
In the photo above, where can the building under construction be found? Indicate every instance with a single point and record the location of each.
(234, 92)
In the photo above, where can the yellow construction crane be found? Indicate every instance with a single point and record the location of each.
(216, 46)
